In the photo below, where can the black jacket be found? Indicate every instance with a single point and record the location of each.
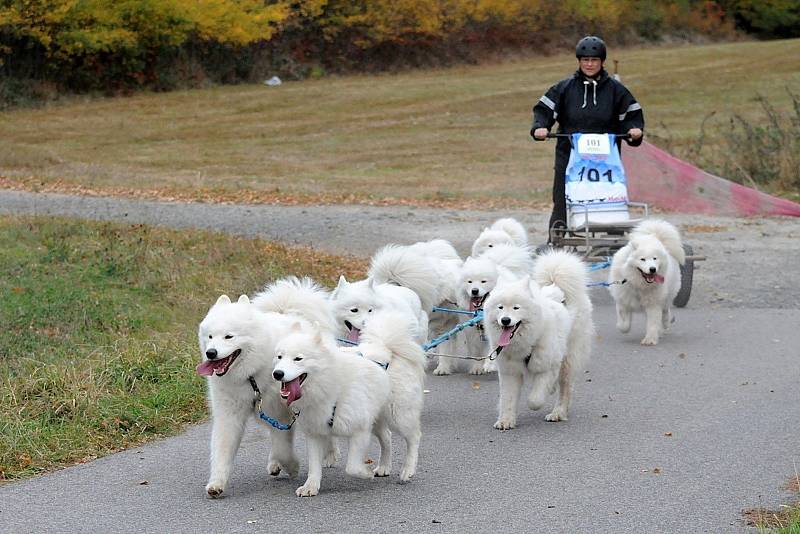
(581, 104)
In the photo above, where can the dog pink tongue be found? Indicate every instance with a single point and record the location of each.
(658, 278)
(505, 336)
(207, 367)
(292, 391)
(354, 334)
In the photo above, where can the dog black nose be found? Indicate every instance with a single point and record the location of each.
(475, 291)
(505, 321)
(211, 354)
(652, 270)
(277, 374)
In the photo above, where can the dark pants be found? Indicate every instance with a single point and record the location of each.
(559, 215)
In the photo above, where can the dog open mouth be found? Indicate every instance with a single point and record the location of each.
(476, 303)
(506, 334)
(353, 333)
(218, 366)
(651, 278)
(291, 391)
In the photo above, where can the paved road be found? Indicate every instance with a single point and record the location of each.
(724, 383)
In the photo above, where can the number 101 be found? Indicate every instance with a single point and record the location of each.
(593, 175)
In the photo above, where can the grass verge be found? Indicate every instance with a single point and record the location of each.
(98, 344)
(783, 521)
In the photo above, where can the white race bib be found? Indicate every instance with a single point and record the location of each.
(594, 145)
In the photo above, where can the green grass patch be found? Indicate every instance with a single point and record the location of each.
(98, 344)
(428, 136)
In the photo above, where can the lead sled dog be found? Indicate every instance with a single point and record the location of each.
(236, 343)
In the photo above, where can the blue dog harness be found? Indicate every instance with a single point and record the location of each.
(265, 417)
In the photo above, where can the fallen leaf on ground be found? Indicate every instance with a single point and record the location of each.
(476, 385)
(668, 434)
(369, 461)
(144, 482)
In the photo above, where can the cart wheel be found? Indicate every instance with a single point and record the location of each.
(687, 273)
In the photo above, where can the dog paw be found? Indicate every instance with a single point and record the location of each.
(489, 366)
(381, 471)
(406, 475)
(360, 472)
(479, 370)
(650, 340)
(535, 404)
(274, 468)
(505, 424)
(307, 490)
(440, 372)
(214, 490)
(624, 327)
(555, 416)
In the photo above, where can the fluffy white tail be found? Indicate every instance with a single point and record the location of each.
(516, 259)
(513, 228)
(399, 265)
(394, 331)
(437, 248)
(664, 232)
(567, 271)
(297, 296)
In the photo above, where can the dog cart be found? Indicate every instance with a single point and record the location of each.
(599, 214)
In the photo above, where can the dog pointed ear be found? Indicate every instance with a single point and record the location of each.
(223, 299)
(342, 283)
(244, 299)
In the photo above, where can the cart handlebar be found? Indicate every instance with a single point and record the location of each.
(557, 135)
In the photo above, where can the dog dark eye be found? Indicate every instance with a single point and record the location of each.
(499, 307)
(298, 359)
(279, 356)
(643, 259)
(354, 310)
(490, 246)
(469, 281)
(229, 336)
(516, 307)
(483, 281)
(654, 259)
(210, 336)
(369, 310)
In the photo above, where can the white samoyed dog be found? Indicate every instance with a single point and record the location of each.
(645, 274)
(387, 340)
(333, 394)
(531, 327)
(478, 276)
(506, 231)
(236, 342)
(354, 303)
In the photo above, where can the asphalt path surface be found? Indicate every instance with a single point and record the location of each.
(674, 438)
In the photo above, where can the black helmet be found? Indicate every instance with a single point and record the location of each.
(591, 46)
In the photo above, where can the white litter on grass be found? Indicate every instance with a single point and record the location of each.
(274, 81)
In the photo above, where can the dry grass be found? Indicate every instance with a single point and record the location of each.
(439, 137)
